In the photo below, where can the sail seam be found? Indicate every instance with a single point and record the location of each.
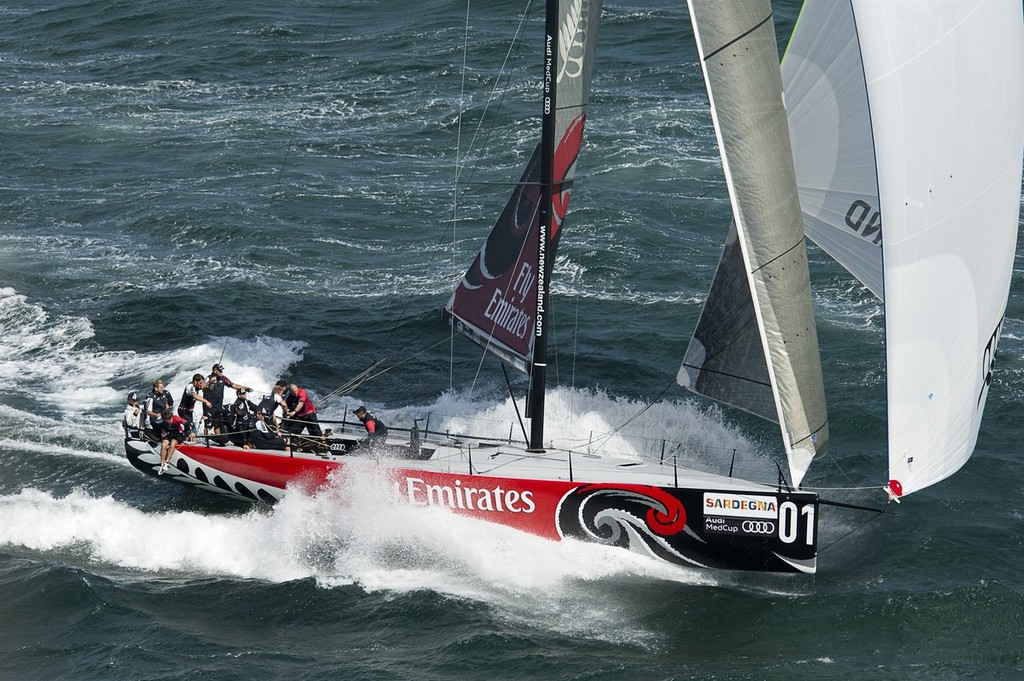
(811, 434)
(726, 374)
(780, 255)
(739, 37)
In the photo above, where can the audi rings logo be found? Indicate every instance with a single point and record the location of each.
(758, 527)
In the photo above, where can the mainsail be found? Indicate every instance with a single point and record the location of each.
(759, 309)
(498, 303)
(907, 118)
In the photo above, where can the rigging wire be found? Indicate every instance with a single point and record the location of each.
(873, 518)
(223, 350)
(455, 181)
(369, 374)
(575, 350)
(610, 434)
(859, 488)
(479, 138)
(831, 459)
(355, 381)
(497, 94)
(606, 437)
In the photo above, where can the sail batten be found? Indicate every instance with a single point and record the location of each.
(758, 316)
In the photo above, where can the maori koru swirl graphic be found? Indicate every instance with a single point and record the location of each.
(644, 519)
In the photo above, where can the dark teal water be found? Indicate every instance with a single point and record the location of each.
(270, 185)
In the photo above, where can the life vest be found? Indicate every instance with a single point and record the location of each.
(188, 400)
(378, 430)
(214, 391)
(268, 403)
(161, 403)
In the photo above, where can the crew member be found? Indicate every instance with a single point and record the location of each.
(242, 414)
(214, 393)
(376, 431)
(174, 433)
(133, 417)
(193, 393)
(300, 409)
(157, 403)
(266, 435)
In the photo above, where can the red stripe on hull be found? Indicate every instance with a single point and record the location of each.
(527, 505)
(271, 470)
(761, 529)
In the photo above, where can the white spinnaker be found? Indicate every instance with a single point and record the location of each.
(830, 129)
(944, 89)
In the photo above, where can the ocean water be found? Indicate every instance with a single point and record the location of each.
(271, 185)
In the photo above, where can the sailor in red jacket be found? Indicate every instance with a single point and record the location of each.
(300, 412)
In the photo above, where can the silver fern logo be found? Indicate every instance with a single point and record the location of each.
(572, 36)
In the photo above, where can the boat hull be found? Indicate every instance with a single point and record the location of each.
(695, 520)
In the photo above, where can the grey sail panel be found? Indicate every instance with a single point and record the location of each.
(736, 42)
(725, 358)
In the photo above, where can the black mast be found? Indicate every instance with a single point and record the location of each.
(538, 376)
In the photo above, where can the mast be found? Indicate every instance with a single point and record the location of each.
(538, 374)
(502, 301)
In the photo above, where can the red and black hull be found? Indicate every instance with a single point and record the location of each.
(756, 528)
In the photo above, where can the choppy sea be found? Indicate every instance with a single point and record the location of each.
(270, 185)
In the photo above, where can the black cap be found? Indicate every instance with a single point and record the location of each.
(217, 367)
(133, 396)
(360, 410)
